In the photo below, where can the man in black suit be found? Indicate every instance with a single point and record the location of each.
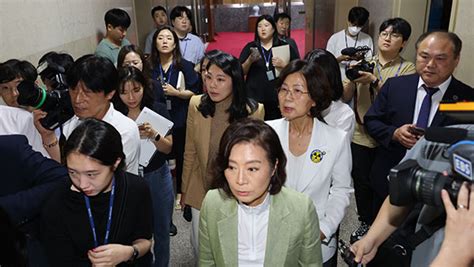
(26, 179)
(397, 110)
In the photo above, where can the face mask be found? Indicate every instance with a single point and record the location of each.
(353, 30)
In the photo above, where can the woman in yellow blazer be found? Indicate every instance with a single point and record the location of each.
(208, 116)
(250, 218)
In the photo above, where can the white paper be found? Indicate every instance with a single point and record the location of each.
(282, 52)
(181, 84)
(161, 124)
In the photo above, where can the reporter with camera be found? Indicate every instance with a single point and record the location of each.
(393, 36)
(92, 81)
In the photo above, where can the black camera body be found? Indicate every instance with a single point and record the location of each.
(357, 53)
(410, 183)
(56, 103)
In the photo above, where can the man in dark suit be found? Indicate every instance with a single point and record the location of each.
(26, 179)
(404, 104)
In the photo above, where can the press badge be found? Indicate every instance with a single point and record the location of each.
(270, 75)
(168, 104)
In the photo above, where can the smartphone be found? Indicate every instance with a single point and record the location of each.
(254, 52)
(417, 131)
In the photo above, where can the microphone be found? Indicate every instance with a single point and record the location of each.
(349, 51)
(447, 135)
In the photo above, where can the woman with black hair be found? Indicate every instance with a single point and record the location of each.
(338, 114)
(209, 115)
(134, 94)
(319, 156)
(167, 63)
(102, 215)
(250, 218)
(259, 65)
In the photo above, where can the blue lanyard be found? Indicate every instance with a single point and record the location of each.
(162, 73)
(396, 74)
(267, 60)
(109, 218)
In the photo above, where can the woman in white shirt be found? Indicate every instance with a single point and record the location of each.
(319, 157)
(250, 219)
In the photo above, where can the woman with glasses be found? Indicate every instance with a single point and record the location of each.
(260, 65)
(319, 157)
(134, 94)
(102, 215)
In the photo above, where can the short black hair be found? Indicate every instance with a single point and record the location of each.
(177, 11)
(399, 25)
(157, 8)
(117, 18)
(358, 16)
(272, 22)
(451, 36)
(330, 67)
(97, 73)
(56, 63)
(282, 15)
(255, 132)
(98, 140)
(317, 84)
(14, 68)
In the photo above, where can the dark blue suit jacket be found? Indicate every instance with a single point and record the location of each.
(394, 107)
(26, 178)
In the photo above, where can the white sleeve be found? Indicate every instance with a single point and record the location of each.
(131, 148)
(340, 190)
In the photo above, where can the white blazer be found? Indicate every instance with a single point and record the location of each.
(327, 181)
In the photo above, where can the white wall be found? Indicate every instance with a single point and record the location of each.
(29, 28)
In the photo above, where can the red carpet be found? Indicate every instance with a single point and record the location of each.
(234, 42)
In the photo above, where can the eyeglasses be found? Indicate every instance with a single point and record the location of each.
(390, 35)
(295, 93)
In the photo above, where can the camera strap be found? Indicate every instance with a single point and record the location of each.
(426, 231)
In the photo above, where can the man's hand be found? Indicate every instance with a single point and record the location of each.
(47, 136)
(404, 136)
(110, 255)
(365, 77)
(343, 58)
(364, 250)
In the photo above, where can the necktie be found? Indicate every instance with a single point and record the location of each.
(424, 115)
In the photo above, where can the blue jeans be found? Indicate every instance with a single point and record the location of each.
(162, 196)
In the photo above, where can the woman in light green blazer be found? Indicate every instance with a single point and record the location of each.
(249, 218)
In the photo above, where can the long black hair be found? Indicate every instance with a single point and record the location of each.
(330, 67)
(239, 108)
(155, 54)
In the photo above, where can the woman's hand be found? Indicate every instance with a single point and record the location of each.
(147, 131)
(364, 250)
(169, 90)
(278, 63)
(110, 255)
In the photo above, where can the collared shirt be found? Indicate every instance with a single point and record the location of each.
(337, 42)
(128, 130)
(252, 232)
(192, 48)
(396, 67)
(109, 50)
(149, 42)
(435, 98)
(19, 121)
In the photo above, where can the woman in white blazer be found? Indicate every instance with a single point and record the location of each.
(319, 156)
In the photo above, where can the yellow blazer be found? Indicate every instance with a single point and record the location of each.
(292, 233)
(196, 152)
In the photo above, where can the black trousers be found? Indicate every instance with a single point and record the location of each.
(362, 161)
(179, 137)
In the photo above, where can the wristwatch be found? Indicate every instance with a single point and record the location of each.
(375, 83)
(134, 255)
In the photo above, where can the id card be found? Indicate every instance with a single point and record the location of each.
(270, 75)
(168, 104)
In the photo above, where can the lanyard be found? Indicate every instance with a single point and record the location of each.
(267, 60)
(355, 44)
(109, 218)
(396, 74)
(162, 73)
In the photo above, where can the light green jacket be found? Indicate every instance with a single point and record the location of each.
(292, 238)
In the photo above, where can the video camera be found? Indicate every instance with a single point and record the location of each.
(410, 183)
(56, 103)
(357, 53)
